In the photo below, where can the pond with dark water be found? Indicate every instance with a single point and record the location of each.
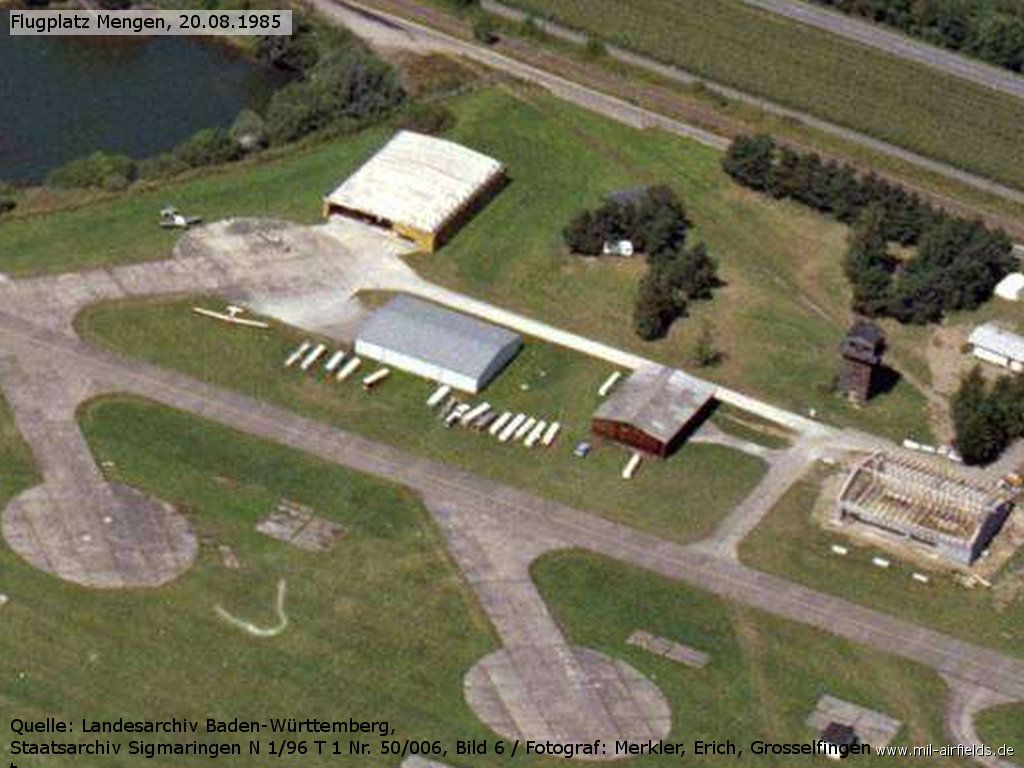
(64, 97)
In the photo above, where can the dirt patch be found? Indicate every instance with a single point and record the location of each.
(946, 364)
(434, 74)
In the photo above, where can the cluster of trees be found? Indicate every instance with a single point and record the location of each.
(987, 418)
(8, 200)
(340, 85)
(991, 31)
(100, 170)
(958, 261)
(655, 221)
(113, 172)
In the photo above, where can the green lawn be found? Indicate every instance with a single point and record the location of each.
(780, 317)
(1003, 725)
(765, 675)
(842, 81)
(683, 498)
(790, 544)
(381, 627)
(124, 229)
(19, 471)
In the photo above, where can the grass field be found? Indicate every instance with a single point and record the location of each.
(765, 675)
(19, 470)
(124, 229)
(790, 544)
(1003, 725)
(381, 627)
(902, 102)
(781, 315)
(779, 319)
(683, 498)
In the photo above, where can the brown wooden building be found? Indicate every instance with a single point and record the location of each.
(862, 358)
(654, 410)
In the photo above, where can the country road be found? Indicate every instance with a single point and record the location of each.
(681, 75)
(890, 41)
(412, 25)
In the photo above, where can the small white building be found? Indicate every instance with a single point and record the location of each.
(1011, 286)
(618, 248)
(998, 346)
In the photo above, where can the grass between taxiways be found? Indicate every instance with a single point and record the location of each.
(778, 320)
(1003, 725)
(908, 104)
(789, 543)
(765, 676)
(680, 499)
(382, 626)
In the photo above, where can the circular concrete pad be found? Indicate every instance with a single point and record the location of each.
(592, 697)
(110, 536)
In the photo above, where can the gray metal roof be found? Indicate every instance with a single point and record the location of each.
(439, 336)
(658, 400)
(999, 340)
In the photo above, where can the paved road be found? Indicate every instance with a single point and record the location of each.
(890, 41)
(678, 74)
(374, 24)
(524, 511)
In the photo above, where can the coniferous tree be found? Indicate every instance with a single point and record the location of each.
(750, 160)
(980, 432)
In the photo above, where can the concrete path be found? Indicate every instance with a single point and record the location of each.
(965, 702)
(785, 468)
(300, 273)
(536, 686)
(75, 524)
(710, 434)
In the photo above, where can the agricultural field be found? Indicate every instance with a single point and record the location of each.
(387, 585)
(790, 544)
(1003, 725)
(683, 498)
(765, 674)
(801, 67)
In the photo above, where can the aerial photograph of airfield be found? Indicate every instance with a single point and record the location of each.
(460, 383)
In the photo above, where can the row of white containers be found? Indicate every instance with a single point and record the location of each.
(307, 355)
(506, 426)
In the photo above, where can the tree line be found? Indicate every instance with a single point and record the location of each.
(339, 85)
(655, 221)
(987, 30)
(987, 417)
(957, 262)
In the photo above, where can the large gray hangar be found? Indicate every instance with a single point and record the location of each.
(437, 343)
